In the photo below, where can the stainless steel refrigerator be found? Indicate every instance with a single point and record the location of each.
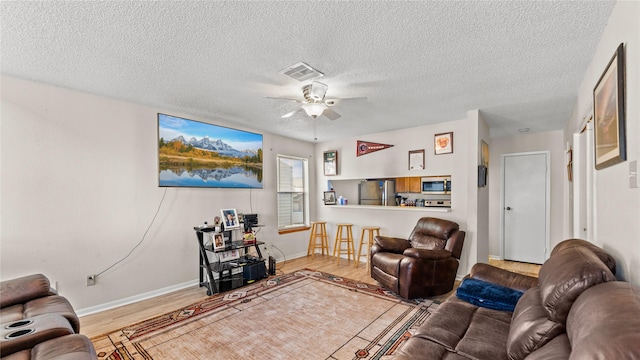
(377, 192)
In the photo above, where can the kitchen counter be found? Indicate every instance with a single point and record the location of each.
(393, 208)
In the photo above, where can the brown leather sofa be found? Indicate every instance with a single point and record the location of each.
(30, 296)
(37, 323)
(574, 310)
(68, 347)
(424, 265)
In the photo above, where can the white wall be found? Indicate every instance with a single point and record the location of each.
(551, 141)
(617, 213)
(393, 162)
(79, 188)
(482, 193)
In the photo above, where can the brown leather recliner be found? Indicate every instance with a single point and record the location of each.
(424, 265)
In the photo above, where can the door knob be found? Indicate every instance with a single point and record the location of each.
(508, 207)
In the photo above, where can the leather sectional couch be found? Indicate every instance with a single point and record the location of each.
(38, 324)
(575, 309)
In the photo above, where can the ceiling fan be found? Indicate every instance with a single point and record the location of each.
(315, 104)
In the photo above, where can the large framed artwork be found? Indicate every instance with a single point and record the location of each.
(609, 113)
(197, 154)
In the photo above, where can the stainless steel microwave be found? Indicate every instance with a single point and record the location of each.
(436, 185)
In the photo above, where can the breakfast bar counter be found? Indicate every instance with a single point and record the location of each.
(393, 208)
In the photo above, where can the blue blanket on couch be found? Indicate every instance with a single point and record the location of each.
(486, 294)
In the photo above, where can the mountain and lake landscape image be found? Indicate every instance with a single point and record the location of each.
(197, 154)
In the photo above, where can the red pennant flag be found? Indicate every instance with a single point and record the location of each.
(365, 147)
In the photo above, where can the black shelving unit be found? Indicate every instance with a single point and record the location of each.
(231, 274)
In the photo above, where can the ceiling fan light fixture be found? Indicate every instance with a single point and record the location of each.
(313, 109)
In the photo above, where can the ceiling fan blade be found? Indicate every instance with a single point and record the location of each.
(330, 114)
(290, 114)
(283, 98)
(338, 101)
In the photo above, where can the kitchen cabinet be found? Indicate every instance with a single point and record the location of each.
(408, 184)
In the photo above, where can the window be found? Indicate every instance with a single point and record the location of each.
(292, 191)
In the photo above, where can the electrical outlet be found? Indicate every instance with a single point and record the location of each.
(91, 280)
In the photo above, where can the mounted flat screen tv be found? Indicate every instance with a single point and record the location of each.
(197, 154)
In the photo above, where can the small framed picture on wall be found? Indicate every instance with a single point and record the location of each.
(330, 162)
(443, 143)
(416, 160)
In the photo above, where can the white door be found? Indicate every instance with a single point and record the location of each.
(525, 206)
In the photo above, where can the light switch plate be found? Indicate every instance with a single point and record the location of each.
(633, 174)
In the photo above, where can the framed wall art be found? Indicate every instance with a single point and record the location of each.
(484, 153)
(197, 154)
(443, 143)
(330, 161)
(416, 160)
(609, 113)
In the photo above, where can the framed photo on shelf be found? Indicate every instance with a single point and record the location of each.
(329, 197)
(230, 219)
(609, 114)
(416, 160)
(443, 143)
(330, 162)
(218, 241)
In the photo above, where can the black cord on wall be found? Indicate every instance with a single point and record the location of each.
(139, 242)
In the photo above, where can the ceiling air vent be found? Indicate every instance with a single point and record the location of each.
(301, 72)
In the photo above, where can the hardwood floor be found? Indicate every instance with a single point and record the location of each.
(522, 268)
(111, 320)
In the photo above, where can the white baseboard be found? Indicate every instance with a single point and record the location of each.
(151, 294)
(495, 257)
(133, 299)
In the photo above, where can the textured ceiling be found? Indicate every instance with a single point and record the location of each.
(520, 62)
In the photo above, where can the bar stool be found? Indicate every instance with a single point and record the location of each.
(318, 231)
(370, 230)
(344, 233)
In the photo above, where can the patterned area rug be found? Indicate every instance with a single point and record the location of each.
(302, 315)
